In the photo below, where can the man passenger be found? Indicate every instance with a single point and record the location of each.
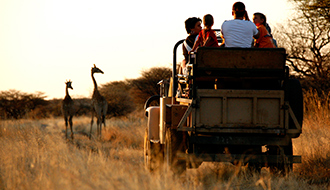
(240, 31)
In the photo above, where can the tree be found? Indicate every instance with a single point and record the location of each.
(307, 41)
(147, 85)
(15, 104)
(119, 100)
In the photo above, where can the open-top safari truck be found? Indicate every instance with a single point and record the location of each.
(234, 105)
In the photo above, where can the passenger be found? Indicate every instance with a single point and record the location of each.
(265, 40)
(240, 31)
(193, 27)
(270, 33)
(206, 37)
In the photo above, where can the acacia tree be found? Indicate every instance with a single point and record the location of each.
(147, 85)
(307, 41)
(125, 96)
(119, 100)
(15, 104)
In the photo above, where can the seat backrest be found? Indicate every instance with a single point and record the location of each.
(240, 62)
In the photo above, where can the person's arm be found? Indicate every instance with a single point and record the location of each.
(257, 35)
(207, 41)
(196, 44)
(256, 32)
(185, 52)
(223, 39)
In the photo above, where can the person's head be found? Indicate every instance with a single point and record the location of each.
(239, 9)
(193, 25)
(259, 18)
(208, 21)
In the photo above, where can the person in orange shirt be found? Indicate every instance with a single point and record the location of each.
(265, 40)
(206, 37)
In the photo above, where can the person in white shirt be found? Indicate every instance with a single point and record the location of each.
(240, 31)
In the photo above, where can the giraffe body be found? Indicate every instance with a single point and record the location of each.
(68, 109)
(99, 105)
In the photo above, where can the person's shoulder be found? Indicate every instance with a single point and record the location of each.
(191, 38)
(227, 21)
(262, 28)
(250, 23)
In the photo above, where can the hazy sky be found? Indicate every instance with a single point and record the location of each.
(45, 42)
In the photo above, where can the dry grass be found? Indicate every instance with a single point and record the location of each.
(35, 155)
(314, 143)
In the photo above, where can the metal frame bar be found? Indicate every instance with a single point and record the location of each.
(260, 158)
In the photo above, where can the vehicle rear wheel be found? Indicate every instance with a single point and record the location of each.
(283, 164)
(254, 164)
(250, 156)
(174, 145)
(153, 154)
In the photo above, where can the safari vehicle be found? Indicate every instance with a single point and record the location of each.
(235, 105)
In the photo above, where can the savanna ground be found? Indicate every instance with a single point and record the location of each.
(35, 155)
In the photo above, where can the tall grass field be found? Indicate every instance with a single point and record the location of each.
(34, 154)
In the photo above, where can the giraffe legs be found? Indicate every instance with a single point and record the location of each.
(100, 120)
(70, 122)
(66, 127)
(99, 127)
(103, 120)
(92, 121)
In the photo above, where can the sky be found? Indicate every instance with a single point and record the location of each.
(43, 43)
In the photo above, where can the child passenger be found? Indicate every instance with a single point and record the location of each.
(265, 40)
(207, 36)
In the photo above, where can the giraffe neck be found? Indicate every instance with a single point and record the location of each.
(94, 82)
(67, 91)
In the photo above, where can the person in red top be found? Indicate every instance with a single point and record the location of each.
(207, 36)
(265, 40)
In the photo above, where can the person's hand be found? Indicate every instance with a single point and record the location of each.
(246, 16)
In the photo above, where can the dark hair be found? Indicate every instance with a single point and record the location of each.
(262, 16)
(268, 28)
(239, 9)
(208, 20)
(190, 23)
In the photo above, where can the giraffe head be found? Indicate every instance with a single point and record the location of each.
(96, 70)
(69, 84)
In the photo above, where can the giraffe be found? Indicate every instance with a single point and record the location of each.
(68, 109)
(99, 104)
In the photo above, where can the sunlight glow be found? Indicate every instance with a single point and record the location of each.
(45, 42)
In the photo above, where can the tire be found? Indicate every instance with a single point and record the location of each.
(254, 164)
(294, 95)
(283, 164)
(173, 145)
(153, 154)
(248, 156)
